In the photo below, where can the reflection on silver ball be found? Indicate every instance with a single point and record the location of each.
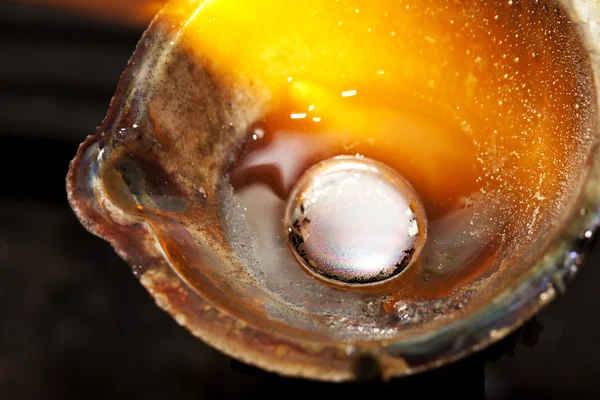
(353, 220)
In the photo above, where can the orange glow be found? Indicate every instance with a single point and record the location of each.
(425, 87)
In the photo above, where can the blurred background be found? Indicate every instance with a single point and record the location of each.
(76, 324)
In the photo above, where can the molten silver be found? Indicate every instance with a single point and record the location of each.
(354, 220)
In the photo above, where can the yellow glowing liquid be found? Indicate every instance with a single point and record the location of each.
(459, 97)
(422, 84)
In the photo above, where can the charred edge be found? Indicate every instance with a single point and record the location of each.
(297, 241)
(401, 265)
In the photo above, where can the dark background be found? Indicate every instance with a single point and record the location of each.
(76, 324)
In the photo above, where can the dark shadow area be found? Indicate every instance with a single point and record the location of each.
(76, 324)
